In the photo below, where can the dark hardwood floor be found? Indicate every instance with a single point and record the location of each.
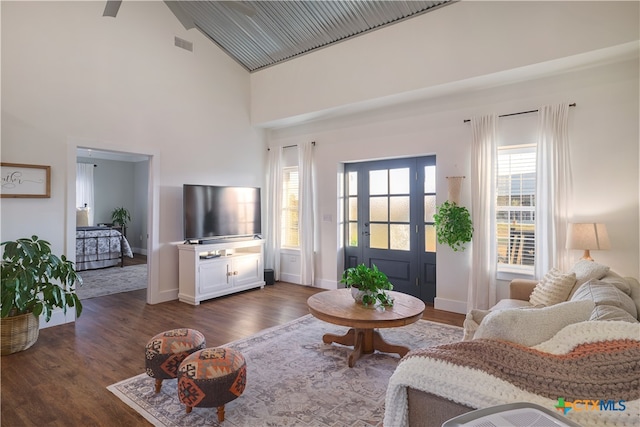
(137, 259)
(62, 379)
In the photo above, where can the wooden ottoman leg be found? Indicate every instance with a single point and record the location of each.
(158, 385)
(220, 413)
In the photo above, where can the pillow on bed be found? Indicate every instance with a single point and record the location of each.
(532, 326)
(82, 217)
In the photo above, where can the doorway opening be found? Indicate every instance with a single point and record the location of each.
(119, 180)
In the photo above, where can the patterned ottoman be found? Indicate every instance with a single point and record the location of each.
(165, 352)
(211, 378)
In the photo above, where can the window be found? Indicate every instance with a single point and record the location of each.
(289, 218)
(352, 211)
(84, 191)
(515, 208)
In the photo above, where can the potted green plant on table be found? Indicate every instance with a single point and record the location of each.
(453, 225)
(33, 282)
(368, 285)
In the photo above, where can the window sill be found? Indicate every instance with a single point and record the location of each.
(290, 251)
(509, 275)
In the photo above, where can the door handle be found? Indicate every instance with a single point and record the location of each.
(365, 233)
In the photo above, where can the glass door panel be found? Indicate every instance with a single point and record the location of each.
(352, 209)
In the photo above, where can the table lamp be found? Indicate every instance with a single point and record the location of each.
(587, 236)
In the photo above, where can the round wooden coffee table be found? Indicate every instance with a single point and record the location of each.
(338, 307)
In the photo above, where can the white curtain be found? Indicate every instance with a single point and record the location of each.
(306, 212)
(84, 188)
(553, 188)
(273, 211)
(482, 282)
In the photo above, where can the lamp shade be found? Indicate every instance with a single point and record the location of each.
(587, 236)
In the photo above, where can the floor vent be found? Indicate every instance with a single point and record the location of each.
(184, 44)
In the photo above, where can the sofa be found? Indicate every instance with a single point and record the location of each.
(569, 341)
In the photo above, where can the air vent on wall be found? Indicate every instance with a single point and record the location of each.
(184, 44)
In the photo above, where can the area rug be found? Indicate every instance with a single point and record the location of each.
(293, 379)
(113, 280)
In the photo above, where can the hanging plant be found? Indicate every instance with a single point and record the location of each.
(453, 225)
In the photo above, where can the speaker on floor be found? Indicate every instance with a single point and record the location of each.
(269, 277)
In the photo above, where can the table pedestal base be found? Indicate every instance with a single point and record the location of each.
(364, 341)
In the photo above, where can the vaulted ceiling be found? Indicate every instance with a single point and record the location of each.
(258, 34)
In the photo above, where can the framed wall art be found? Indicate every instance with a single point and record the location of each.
(24, 181)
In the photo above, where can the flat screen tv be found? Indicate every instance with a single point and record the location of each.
(212, 212)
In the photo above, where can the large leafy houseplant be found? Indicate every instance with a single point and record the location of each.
(34, 281)
(120, 216)
(453, 225)
(372, 282)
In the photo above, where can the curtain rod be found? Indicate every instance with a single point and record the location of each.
(518, 113)
(293, 145)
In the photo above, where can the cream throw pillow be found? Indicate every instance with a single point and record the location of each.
(554, 288)
(532, 326)
(471, 323)
(586, 270)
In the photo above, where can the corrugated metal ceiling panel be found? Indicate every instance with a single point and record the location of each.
(263, 33)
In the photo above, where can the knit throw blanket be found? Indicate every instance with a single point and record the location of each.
(587, 361)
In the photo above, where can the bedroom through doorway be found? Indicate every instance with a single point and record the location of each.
(111, 258)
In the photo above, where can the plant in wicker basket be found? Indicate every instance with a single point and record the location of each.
(34, 281)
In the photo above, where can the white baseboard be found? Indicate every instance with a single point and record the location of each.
(59, 318)
(450, 305)
(325, 284)
(165, 296)
(291, 278)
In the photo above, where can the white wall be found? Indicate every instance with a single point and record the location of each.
(139, 231)
(112, 185)
(604, 147)
(454, 45)
(72, 77)
(404, 91)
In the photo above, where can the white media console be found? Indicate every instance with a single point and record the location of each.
(215, 269)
